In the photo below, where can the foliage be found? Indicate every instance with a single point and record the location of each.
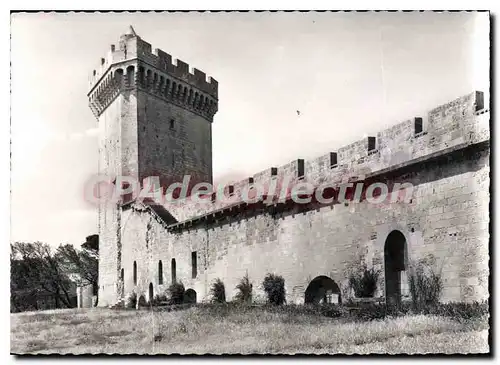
(244, 288)
(460, 310)
(425, 287)
(43, 278)
(38, 279)
(91, 243)
(131, 300)
(274, 286)
(176, 293)
(364, 282)
(82, 264)
(218, 291)
(159, 299)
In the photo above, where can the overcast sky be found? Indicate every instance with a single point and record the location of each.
(349, 74)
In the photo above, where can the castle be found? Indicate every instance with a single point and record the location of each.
(156, 118)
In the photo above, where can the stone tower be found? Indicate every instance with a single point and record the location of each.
(155, 118)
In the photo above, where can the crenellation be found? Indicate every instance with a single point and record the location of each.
(133, 47)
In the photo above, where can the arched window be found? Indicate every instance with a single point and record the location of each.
(167, 87)
(149, 79)
(141, 76)
(174, 271)
(161, 85)
(130, 76)
(155, 82)
(119, 78)
(174, 88)
(160, 273)
(135, 273)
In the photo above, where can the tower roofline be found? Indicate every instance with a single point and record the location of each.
(132, 47)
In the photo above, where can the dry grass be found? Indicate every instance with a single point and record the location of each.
(199, 331)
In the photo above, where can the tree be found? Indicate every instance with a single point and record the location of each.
(37, 273)
(91, 243)
(82, 264)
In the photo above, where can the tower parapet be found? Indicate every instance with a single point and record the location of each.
(133, 64)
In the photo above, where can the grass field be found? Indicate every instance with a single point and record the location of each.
(198, 330)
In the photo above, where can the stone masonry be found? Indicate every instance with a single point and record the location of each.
(155, 116)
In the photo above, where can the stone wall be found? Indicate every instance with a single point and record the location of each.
(173, 141)
(446, 223)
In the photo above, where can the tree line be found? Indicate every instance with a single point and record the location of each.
(43, 277)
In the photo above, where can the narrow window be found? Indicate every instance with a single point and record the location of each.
(174, 271)
(479, 100)
(300, 168)
(419, 127)
(160, 273)
(194, 264)
(371, 143)
(333, 159)
(135, 273)
(172, 123)
(122, 275)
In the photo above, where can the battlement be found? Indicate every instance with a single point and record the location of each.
(132, 47)
(454, 125)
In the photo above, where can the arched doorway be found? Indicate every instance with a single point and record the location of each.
(322, 290)
(190, 296)
(395, 265)
(151, 292)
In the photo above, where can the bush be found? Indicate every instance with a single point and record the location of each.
(218, 291)
(425, 287)
(244, 288)
(176, 293)
(159, 299)
(131, 300)
(373, 311)
(364, 282)
(459, 310)
(274, 286)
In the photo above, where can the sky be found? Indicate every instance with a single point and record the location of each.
(349, 75)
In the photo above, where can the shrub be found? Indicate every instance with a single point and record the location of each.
(364, 282)
(218, 291)
(460, 310)
(244, 288)
(131, 300)
(274, 286)
(159, 299)
(425, 287)
(176, 293)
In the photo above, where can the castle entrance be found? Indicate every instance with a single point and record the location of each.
(395, 266)
(322, 290)
(190, 296)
